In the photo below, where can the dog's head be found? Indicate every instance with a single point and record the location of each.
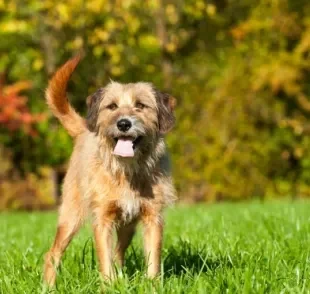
(131, 117)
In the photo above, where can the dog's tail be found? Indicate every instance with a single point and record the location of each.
(57, 100)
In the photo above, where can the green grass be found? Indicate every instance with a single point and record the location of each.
(231, 248)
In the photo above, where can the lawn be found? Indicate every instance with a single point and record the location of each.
(231, 248)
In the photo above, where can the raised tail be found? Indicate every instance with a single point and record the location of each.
(57, 100)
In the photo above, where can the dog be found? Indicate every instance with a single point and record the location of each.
(118, 173)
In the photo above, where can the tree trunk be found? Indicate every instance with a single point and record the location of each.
(162, 36)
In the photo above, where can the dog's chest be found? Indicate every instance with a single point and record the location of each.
(132, 195)
(129, 204)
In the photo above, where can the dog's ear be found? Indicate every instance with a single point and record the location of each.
(93, 102)
(166, 104)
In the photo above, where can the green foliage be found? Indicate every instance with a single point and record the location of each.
(225, 248)
(251, 120)
(239, 69)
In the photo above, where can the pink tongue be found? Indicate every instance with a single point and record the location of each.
(124, 148)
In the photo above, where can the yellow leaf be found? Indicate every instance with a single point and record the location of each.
(201, 5)
(102, 35)
(97, 6)
(117, 70)
(13, 26)
(98, 50)
(298, 152)
(63, 12)
(37, 64)
(134, 60)
(171, 47)
(77, 43)
(148, 41)
(150, 68)
(111, 24)
(115, 58)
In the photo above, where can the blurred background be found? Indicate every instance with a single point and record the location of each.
(238, 68)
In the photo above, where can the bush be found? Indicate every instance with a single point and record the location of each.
(34, 191)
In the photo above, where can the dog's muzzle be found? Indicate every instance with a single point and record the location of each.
(130, 133)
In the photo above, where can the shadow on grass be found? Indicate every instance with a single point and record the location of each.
(187, 258)
(179, 259)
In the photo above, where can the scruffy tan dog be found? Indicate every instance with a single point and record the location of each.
(118, 170)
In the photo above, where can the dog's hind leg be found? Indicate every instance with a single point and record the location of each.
(70, 219)
(124, 236)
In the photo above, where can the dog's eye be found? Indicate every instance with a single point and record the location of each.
(112, 106)
(140, 105)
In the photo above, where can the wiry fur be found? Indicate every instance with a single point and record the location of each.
(116, 192)
(57, 100)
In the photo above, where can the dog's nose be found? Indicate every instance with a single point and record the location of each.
(124, 125)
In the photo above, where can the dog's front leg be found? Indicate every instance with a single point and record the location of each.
(103, 232)
(103, 239)
(153, 232)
